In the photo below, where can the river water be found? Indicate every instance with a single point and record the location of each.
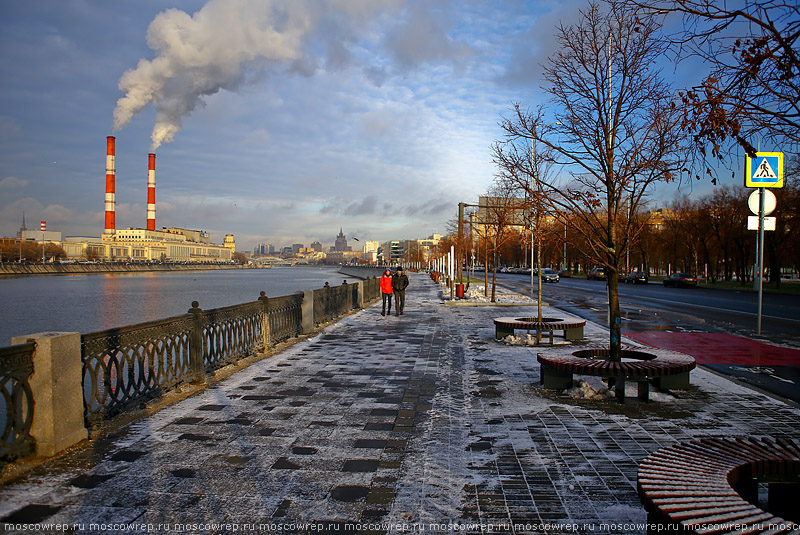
(91, 303)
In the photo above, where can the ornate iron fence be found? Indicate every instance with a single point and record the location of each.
(332, 302)
(16, 398)
(124, 368)
(285, 316)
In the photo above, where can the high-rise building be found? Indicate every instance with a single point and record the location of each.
(340, 246)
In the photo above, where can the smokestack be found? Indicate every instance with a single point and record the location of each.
(111, 223)
(151, 191)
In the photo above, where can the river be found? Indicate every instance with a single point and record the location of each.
(91, 303)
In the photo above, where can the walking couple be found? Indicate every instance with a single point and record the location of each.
(393, 284)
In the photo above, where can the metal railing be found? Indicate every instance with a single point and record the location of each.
(16, 401)
(125, 367)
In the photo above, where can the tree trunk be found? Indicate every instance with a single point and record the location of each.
(614, 316)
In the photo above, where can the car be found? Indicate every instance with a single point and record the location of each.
(681, 280)
(549, 275)
(597, 274)
(637, 277)
(565, 273)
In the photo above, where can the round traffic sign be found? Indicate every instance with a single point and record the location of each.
(770, 201)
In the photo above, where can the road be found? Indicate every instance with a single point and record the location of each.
(651, 309)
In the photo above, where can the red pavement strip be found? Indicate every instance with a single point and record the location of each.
(720, 348)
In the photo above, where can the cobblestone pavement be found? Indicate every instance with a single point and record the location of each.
(417, 423)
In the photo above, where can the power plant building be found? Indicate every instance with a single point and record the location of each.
(145, 244)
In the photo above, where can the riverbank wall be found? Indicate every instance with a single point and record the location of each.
(24, 270)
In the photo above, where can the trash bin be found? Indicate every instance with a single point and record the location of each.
(460, 291)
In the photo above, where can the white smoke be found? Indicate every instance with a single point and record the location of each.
(227, 43)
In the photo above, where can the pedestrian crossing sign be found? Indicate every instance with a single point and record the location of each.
(764, 171)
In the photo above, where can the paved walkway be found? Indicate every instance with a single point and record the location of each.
(418, 423)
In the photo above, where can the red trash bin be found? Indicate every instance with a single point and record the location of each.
(460, 291)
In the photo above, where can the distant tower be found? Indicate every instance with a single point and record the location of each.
(111, 223)
(341, 242)
(23, 229)
(151, 191)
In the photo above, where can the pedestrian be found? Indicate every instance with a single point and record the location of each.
(387, 291)
(399, 283)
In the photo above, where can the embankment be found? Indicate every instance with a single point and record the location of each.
(25, 270)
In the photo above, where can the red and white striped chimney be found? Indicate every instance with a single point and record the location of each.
(151, 191)
(111, 223)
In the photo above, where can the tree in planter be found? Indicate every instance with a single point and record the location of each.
(614, 128)
(498, 212)
(526, 169)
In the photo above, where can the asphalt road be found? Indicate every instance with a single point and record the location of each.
(652, 307)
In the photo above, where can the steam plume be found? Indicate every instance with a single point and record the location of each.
(225, 44)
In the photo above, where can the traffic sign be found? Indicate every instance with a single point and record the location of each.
(764, 171)
(770, 201)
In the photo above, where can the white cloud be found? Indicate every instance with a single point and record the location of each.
(12, 182)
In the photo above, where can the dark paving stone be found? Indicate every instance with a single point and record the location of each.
(381, 496)
(238, 421)
(194, 438)
(302, 391)
(265, 431)
(183, 473)
(188, 421)
(379, 426)
(259, 397)
(283, 509)
(31, 514)
(211, 408)
(383, 412)
(90, 481)
(349, 493)
(360, 465)
(301, 450)
(479, 446)
(127, 455)
(370, 443)
(321, 423)
(236, 459)
(285, 464)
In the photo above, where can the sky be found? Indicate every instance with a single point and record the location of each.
(276, 121)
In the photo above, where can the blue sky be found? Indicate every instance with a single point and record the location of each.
(278, 122)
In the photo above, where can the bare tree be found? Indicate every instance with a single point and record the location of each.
(753, 83)
(614, 129)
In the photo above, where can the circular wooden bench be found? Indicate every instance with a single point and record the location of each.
(668, 368)
(573, 329)
(710, 485)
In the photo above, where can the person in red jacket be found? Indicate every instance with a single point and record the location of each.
(386, 291)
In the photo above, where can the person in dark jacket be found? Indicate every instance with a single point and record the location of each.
(387, 290)
(399, 284)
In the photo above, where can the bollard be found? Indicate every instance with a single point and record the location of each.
(307, 309)
(265, 328)
(197, 361)
(56, 386)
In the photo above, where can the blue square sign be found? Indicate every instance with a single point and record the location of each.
(764, 171)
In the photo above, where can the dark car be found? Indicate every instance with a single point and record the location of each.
(549, 275)
(637, 277)
(597, 274)
(681, 280)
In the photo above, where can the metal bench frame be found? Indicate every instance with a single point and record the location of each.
(573, 330)
(668, 369)
(700, 486)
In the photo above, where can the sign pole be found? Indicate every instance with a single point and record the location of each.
(761, 194)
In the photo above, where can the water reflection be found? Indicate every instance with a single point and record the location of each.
(89, 303)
